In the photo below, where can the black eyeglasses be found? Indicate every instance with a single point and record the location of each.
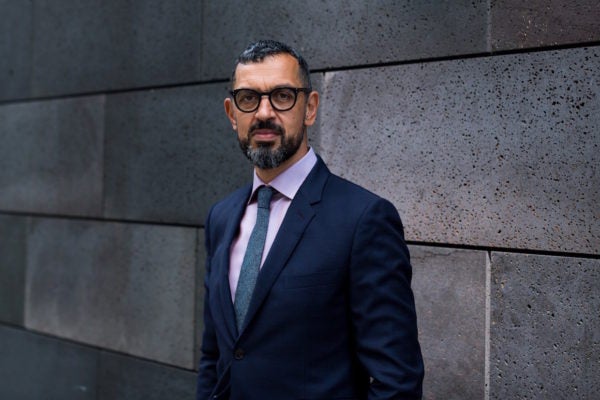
(281, 99)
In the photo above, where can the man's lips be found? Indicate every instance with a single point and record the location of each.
(265, 134)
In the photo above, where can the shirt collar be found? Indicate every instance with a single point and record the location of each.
(289, 181)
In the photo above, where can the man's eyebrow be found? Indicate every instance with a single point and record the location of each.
(285, 85)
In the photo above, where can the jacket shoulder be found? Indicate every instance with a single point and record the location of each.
(332, 186)
(233, 199)
(222, 211)
(345, 192)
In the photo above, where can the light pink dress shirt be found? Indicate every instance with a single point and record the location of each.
(287, 185)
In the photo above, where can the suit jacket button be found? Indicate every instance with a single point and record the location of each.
(239, 354)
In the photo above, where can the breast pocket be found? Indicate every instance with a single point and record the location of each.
(314, 279)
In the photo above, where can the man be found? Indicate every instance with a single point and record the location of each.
(308, 277)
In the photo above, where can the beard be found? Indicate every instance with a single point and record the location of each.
(264, 155)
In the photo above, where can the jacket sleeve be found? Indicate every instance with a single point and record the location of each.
(207, 370)
(382, 305)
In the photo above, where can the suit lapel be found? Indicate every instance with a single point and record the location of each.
(233, 223)
(297, 218)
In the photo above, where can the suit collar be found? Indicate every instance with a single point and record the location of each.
(237, 207)
(312, 188)
(297, 218)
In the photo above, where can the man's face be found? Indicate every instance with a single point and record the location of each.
(272, 138)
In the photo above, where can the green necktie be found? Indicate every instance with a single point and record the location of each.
(253, 256)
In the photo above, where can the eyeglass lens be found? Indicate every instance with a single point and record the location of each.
(282, 99)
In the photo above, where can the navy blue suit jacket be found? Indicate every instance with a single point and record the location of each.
(332, 315)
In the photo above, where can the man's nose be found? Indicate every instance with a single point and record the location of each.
(265, 110)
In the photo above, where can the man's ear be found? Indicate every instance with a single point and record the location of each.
(230, 112)
(312, 104)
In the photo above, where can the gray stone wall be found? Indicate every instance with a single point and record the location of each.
(479, 120)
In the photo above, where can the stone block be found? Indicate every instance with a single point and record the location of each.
(356, 33)
(12, 268)
(515, 24)
(545, 327)
(450, 295)
(124, 287)
(51, 156)
(36, 367)
(170, 154)
(500, 151)
(15, 48)
(91, 46)
(313, 131)
(128, 378)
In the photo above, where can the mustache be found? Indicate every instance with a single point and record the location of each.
(266, 125)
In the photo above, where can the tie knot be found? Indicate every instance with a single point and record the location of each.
(264, 197)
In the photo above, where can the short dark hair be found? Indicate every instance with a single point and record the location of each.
(257, 51)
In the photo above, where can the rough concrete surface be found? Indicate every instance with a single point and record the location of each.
(515, 24)
(170, 154)
(124, 287)
(545, 327)
(13, 248)
(51, 156)
(449, 286)
(499, 151)
(34, 367)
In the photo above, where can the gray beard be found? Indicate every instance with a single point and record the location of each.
(265, 157)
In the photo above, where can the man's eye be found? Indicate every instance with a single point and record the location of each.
(283, 96)
(247, 98)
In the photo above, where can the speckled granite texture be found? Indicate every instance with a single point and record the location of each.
(499, 151)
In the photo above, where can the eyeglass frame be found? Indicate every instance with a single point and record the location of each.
(269, 94)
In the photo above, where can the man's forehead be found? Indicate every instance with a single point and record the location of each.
(278, 69)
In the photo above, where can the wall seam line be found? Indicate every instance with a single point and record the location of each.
(488, 318)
